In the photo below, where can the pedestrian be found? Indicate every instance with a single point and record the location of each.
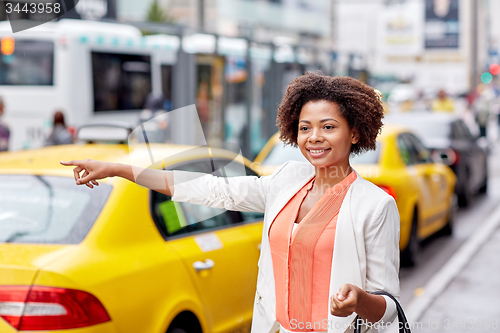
(330, 237)
(482, 106)
(483, 116)
(60, 134)
(155, 113)
(4, 129)
(443, 103)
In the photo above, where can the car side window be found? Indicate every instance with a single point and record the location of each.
(412, 150)
(181, 218)
(460, 131)
(422, 154)
(405, 149)
(456, 131)
(465, 130)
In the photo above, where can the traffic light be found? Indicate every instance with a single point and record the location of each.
(8, 45)
(495, 69)
(486, 78)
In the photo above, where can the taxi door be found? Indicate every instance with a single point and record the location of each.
(222, 263)
(220, 250)
(432, 183)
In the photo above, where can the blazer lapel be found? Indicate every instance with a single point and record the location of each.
(282, 200)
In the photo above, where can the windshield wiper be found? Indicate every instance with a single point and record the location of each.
(16, 235)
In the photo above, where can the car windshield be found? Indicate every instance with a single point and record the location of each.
(43, 209)
(369, 157)
(281, 154)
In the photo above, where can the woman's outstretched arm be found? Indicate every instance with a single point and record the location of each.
(242, 193)
(88, 172)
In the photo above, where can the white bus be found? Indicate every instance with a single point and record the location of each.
(98, 72)
(91, 71)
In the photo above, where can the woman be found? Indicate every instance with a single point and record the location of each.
(330, 237)
(59, 134)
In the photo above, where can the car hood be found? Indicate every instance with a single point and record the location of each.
(19, 263)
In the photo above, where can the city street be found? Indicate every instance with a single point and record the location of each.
(437, 251)
(391, 108)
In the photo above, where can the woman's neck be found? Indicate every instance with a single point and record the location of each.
(328, 177)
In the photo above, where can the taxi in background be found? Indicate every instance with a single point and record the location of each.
(120, 257)
(449, 140)
(401, 166)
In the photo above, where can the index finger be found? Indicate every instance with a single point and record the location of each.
(71, 163)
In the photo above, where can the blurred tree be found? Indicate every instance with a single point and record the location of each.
(158, 14)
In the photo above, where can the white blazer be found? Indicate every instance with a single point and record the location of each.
(366, 251)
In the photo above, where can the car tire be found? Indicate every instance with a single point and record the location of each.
(176, 330)
(452, 211)
(409, 254)
(465, 198)
(484, 186)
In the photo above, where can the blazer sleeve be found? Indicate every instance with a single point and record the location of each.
(382, 253)
(245, 193)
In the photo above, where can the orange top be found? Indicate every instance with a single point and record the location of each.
(302, 261)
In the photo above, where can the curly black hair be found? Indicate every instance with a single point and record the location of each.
(359, 104)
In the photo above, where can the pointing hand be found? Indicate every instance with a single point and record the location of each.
(92, 171)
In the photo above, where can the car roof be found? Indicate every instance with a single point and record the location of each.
(389, 129)
(46, 160)
(420, 117)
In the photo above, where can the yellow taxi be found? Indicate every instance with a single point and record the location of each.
(401, 166)
(120, 257)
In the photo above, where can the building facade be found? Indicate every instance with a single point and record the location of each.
(262, 20)
(433, 44)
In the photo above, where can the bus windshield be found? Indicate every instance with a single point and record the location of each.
(30, 64)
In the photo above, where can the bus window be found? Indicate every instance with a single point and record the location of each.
(30, 64)
(121, 81)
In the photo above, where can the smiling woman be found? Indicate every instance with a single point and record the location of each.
(330, 237)
(329, 119)
(324, 136)
(358, 103)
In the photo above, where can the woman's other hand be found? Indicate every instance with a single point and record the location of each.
(92, 171)
(345, 301)
(351, 298)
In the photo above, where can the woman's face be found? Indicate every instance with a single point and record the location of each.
(324, 137)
